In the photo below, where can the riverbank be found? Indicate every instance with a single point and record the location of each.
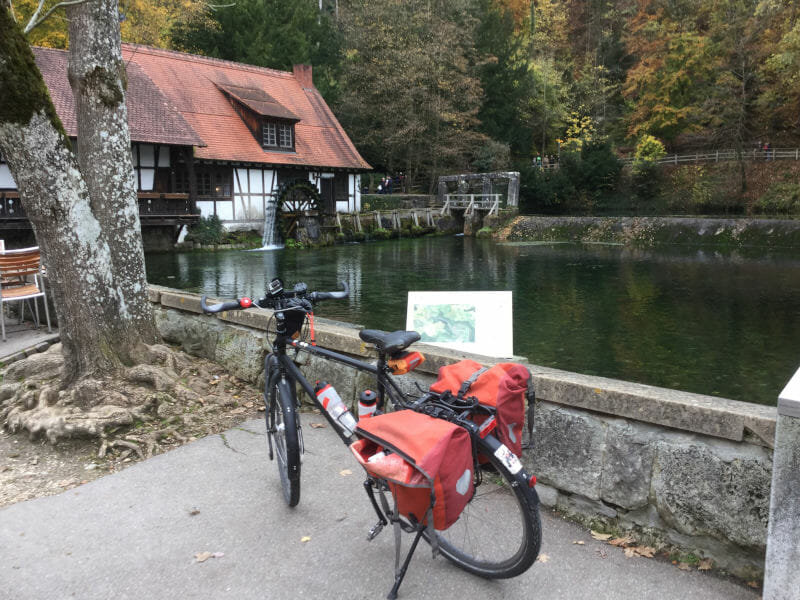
(651, 231)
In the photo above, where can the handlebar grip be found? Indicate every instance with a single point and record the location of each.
(315, 296)
(215, 308)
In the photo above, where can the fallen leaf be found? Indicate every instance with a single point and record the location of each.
(603, 537)
(204, 556)
(194, 511)
(543, 558)
(345, 472)
(601, 553)
(317, 425)
(622, 542)
(705, 564)
(645, 551)
(752, 584)
(684, 566)
(261, 408)
(579, 543)
(214, 382)
(305, 539)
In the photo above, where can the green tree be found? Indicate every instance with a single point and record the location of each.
(779, 101)
(673, 70)
(409, 97)
(266, 33)
(507, 79)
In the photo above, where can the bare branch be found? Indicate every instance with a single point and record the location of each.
(10, 8)
(34, 21)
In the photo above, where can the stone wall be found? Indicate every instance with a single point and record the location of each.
(649, 231)
(681, 470)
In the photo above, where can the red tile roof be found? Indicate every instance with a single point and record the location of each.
(151, 117)
(192, 84)
(176, 98)
(258, 101)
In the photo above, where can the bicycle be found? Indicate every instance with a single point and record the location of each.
(486, 540)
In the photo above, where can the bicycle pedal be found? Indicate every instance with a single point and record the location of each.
(376, 529)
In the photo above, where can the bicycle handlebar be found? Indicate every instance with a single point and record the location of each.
(315, 296)
(275, 302)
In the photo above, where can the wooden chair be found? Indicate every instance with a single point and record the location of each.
(20, 280)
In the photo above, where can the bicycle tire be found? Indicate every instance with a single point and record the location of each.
(499, 533)
(283, 427)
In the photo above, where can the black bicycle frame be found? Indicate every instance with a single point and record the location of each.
(289, 368)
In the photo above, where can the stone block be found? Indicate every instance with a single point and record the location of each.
(182, 301)
(568, 450)
(628, 464)
(709, 415)
(713, 488)
(783, 551)
(548, 495)
(240, 350)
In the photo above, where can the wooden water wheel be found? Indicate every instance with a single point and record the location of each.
(296, 200)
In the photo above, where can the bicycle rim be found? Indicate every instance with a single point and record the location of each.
(285, 438)
(499, 533)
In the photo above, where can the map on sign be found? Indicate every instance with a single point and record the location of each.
(479, 322)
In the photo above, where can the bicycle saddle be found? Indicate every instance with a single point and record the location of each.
(389, 342)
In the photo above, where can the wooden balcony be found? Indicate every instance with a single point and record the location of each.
(154, 210)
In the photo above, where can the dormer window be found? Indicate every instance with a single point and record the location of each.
(271, 123)
(277, 135)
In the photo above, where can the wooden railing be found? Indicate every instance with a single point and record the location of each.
(164, 205)
(726, 155)
(152, 206)
(471, 203)
(388, 219)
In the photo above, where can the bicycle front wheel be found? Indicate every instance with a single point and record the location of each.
(283, 429)
(499, 533)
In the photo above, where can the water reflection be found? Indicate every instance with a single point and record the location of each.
(723, 323)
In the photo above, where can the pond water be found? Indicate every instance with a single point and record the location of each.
(695, 319)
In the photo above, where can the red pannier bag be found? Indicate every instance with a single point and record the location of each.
(427, 463)
(503, 387)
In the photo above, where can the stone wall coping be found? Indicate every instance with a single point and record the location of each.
(789, 398)
(686, 411)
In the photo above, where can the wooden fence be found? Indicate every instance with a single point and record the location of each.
(388, 219)
(726, 155)
(714, 156)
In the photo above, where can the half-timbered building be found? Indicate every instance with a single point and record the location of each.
(214, 137)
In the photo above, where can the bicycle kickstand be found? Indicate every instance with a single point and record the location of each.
(400, 574)
(378, 527)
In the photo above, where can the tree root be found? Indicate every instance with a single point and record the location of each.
(144, 409)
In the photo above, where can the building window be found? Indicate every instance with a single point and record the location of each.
(277, 135)
(285, 139)
(269, 135)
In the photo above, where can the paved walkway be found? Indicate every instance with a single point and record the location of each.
(135, 534)
(24, 339)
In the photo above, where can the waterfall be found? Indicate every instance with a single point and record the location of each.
(271, 239)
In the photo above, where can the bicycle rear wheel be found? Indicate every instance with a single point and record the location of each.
(283, 430)
(499, 533)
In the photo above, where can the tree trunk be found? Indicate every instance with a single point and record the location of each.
(85, 216)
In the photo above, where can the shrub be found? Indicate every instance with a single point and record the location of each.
(780, 198)
(207, 231)
(484, 232)
(381, 234)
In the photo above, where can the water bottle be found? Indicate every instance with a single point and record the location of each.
(337, 409)
(367, 404)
